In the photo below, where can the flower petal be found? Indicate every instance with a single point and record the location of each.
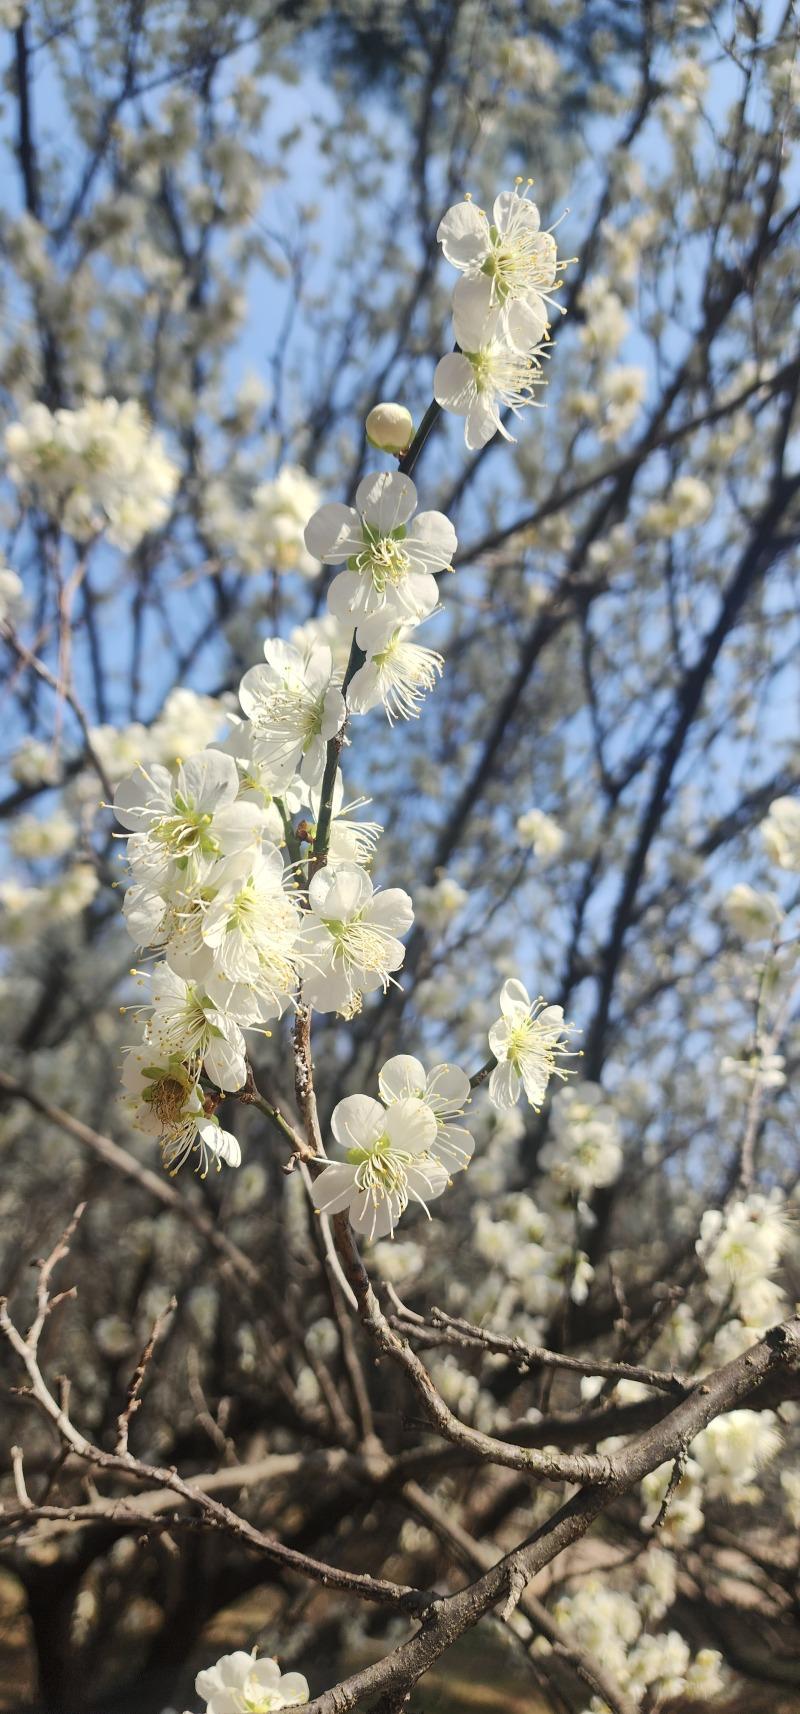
(334, 533)
(512, 209)
(392, 909)
(294, 1688)
(401, 1076)
(358, 1121)
(454, 383)
(513, 996)
(463, 233)
(386, 500)
(335, 1188)
(410, 1125)
(504, 1086)
(337, 896)
(209, 780)
(448, 1089)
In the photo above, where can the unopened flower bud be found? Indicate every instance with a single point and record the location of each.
(390, 427)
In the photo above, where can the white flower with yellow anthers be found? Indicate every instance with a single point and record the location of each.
(506, 260)
(294, 706)
(351, 945)
(239, 1683)
(164, 1101)
(527, 1041)
(390, 560)
(445, 1090)
(185, 1024)
(253, 928)
(180, 825)
(173, 926)
(389, 1163)
(254, 782)
(488, 374)
(397, 672)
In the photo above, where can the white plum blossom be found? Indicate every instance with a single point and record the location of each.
(352, 945)
(164, 1101)
(389, 1163)
(753, 915)
(527, 1041)
(505, 261)
(685, 1516)
(280, 511)
(445, 1090)
(397, 672)
(185, 1024)
(438, 904)
(390, 559)
(12, 596)
(732, 1450)
(240, 1683)
(542, 833)
(583, 1150)
(294, 706)
(780, 832)
(187, 723)
(488, 374)
(253, 929)
(172, 926)
(740, 1246)
(99, 467)
(181, 824)
(34, 836)
(688, 502)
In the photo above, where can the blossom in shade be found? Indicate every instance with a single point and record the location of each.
(445, 1090)
(390, 560)
(240, 1683)
(488, 374)
(185, 1024)
(389, 1162)
(164, 1101)
(527, 1041)
(583, 1150)
(294, 706)
(352, 943)
(741, 1245)
(731, 1451)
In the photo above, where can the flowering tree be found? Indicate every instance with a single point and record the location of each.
(333, 1400)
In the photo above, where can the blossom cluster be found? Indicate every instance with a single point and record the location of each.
(390, 556)
(98, 468)
(402, 1148)
(726, 1458)
(212, 895)
(501, 311)
(265, 532)
(242, 924)
(610, 1625)
(741, 1247)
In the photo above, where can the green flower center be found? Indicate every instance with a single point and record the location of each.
(383, 559)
